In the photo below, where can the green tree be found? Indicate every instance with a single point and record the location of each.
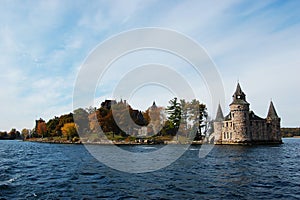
(51, 126)
(13, 134)
(174, 112)
(197, 114)
(63, 119)
(3, 135)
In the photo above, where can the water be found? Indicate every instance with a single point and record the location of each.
(54, 171)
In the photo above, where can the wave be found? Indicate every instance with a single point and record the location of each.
(149, 147)
(192, 149)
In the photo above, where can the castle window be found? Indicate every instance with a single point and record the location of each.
(230, 135)
(227, 135)
(224, 136)
(232, 115)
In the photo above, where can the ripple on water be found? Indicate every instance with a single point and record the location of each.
(44, 171)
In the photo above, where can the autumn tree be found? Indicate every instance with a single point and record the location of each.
(94, 125)
(63, 119)
(41, 128)
(155, 119)
(81, 118)
(69, 131)
(119, 118)
(25, 133)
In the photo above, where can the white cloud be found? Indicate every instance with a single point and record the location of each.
(42, 45)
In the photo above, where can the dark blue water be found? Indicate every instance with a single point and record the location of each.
(52, 171)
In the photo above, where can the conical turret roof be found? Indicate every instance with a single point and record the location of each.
(239, 96)
(272, 112)
(238, 89)
(153, 105)
(219, 116)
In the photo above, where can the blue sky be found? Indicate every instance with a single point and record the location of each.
(44, 43)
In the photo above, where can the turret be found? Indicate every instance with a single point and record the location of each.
(239, 96)
(153, 105)
(272, 114)
(218, 123)
(219, 115)
(273, 123)
(239, 113)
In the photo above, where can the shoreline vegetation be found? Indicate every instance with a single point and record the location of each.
(182, 122)
(286, 133)
(116, 122)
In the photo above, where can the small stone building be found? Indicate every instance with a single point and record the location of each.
(242, 126)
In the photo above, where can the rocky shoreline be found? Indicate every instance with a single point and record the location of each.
(107, 142)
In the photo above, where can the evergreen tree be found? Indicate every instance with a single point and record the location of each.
(198, 115)
(174, 111)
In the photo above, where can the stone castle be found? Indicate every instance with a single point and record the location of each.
(242, 126)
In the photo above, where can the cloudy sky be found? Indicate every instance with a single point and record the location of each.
(44, 43)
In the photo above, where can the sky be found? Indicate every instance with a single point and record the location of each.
(43, 45)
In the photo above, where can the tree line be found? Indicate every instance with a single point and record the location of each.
(11, 135)
(117, 119)
(290, 132)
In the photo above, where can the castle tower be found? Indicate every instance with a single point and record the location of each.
(239, 115)
(153, 106)
(273, 123)
(242, 126)
(218, 124)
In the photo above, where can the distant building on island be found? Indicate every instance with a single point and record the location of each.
(242, 126)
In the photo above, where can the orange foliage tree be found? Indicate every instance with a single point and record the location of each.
(69, 130)
(41, 129)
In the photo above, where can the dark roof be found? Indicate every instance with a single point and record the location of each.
(239, 96)
(272, 112)
(219, 116)
(239, 101)
(253, 116)
(238, 90)
(153, 105)
(227, 117)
